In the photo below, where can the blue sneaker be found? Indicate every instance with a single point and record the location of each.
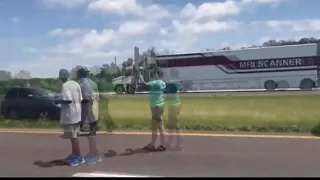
(75, 161)
(70, 157)
(93, 160)
(82, 160)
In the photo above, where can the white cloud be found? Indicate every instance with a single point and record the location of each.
(155, 12)
(178, 44)
(212, 10)
(118, 7)
(189, 10)
(63, 3)
(64, 32)
(206, 27)
(263, 1)
(164, 31)
(295, 25)
(133, 28)
(94, 39)
(128, 8)
(206, 17)
(101, 54)
(92, 42)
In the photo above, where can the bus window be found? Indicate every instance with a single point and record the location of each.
(170, 63)
(179, 62)
(162, 63)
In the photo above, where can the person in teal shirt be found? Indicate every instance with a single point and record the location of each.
(173, 103)
(156, 100)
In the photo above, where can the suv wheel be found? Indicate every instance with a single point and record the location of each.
(119, 89)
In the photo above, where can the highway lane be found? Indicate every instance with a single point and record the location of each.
(229, 93)
(26, 154)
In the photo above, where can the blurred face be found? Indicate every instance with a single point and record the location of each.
(81, 74)
(62, 79)
(152, 76)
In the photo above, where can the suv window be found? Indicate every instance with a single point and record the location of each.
(40, 92)
(23, 93)
(13, 93)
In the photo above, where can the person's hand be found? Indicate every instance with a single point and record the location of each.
(85, 101)
(56, 101)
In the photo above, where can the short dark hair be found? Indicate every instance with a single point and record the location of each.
(172, 88)
(158, 72)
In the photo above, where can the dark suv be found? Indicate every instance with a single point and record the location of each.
(30, 103)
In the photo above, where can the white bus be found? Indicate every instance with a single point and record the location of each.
(271, 68)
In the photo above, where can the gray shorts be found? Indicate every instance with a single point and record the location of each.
(70, 131)
(157, 113)
(173, 113)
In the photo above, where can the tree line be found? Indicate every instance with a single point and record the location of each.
(104, 74)
(270, 43)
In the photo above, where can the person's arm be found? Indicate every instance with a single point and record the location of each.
(163, 86)
(65, 97)
(141, 79)
(96, 93)
(180, 87)
(80, 93)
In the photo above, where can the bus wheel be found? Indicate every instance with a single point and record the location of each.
(307, 84)
(130, 90)
(270, 85)
(119, 89)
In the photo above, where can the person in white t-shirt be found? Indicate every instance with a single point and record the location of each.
(70, 101)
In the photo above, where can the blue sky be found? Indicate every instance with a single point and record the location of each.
(43, 36)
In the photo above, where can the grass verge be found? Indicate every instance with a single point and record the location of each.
(281, 113)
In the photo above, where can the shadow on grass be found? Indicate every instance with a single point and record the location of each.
(50, 164)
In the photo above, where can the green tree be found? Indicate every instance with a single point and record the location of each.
(23, 74)
(5, 75)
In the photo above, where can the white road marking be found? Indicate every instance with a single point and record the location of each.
(104, 174)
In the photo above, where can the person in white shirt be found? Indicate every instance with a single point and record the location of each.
(70, 101)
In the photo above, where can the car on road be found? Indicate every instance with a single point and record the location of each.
(30, 103)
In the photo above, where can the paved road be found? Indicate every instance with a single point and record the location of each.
(201, 156)
(253, 93)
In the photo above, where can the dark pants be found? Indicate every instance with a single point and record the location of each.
(93, 128)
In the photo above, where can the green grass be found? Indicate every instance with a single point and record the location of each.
(280, 113)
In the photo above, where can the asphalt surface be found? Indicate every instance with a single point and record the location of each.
(27, 154)
(230, 93)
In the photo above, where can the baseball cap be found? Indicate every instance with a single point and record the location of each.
(83, 68)
(64, 74)
(82, 71)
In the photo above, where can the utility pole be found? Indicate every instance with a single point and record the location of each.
(136, 67)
